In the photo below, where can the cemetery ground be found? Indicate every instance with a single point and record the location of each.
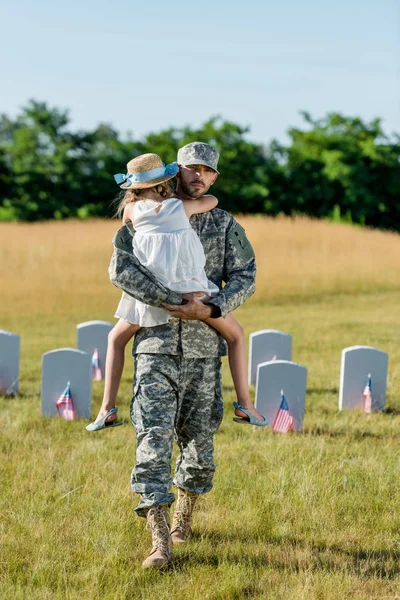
(309, 516)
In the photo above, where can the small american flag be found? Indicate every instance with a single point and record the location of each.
(96, 371)
(65, 404)
(368, 396)
(283, 420)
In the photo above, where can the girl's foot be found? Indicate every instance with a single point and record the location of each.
(102, 414)
(252, 410)
(105, 420)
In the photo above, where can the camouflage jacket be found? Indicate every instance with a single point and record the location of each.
(229, 259)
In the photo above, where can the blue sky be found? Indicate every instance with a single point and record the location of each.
(147, 66)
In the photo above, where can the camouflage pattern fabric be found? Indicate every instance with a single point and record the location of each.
(198, 153)
(174, 397)
(230, 259)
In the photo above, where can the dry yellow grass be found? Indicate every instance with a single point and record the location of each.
(305, 257)
(48, 263)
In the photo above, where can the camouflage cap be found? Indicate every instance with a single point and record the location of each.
(198, 153)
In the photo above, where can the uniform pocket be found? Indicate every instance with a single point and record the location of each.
(218, 406)
(135, 389)
(133, 404)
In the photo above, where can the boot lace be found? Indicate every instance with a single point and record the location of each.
(158, 524)
(183, 513)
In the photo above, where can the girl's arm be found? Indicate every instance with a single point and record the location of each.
(204, 204)
(128, 213)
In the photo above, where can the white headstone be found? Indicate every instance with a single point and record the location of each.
(9, 362)
(272, 377)
(358, 362)
(60, 367)
(266, 345)
(92, 335)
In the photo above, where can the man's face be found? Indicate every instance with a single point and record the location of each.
(196, 180)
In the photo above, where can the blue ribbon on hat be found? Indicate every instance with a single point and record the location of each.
(129, 178)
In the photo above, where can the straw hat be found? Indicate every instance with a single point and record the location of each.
(145, 171)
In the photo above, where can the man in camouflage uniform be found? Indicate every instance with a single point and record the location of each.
(177, 381)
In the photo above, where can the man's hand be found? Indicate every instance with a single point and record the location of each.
(194, 309)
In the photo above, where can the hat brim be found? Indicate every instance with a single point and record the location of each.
(141, 185)
(198, 162)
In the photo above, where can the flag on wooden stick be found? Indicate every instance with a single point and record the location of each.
(65, 404)
(368, 395)
(283, 420)
(96, 371)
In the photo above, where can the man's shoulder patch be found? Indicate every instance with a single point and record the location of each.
(238, 238)
(123, 239)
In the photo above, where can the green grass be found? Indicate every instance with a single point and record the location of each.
(299, 516)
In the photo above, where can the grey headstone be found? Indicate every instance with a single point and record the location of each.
(9, 363)
(272, 377)
(357, 363)
(266, 345)
(60, 367)
(91, 335)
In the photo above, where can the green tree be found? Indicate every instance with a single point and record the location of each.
(336, 166)
(47, 172)
(102, 155)
(346, 163)
(36, 147)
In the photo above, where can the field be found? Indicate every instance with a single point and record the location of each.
(299, 516)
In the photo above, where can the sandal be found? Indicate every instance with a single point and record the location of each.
(102, 424)
(250, 419)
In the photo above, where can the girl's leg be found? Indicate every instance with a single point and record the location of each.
(118, 338)
(232, 332)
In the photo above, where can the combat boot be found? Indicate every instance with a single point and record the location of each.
(181, 530)
(161, 552)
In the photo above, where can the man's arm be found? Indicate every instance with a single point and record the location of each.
(239, 277)
(129, 275)
(239, 271)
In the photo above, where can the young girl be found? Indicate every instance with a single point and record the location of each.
(166, 244)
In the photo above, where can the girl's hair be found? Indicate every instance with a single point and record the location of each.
(125, 197)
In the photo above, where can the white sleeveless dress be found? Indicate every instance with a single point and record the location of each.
(165, 244)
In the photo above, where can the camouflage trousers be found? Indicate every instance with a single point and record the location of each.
(174, 397)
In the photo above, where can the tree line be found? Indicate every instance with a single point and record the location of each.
(336, 167)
